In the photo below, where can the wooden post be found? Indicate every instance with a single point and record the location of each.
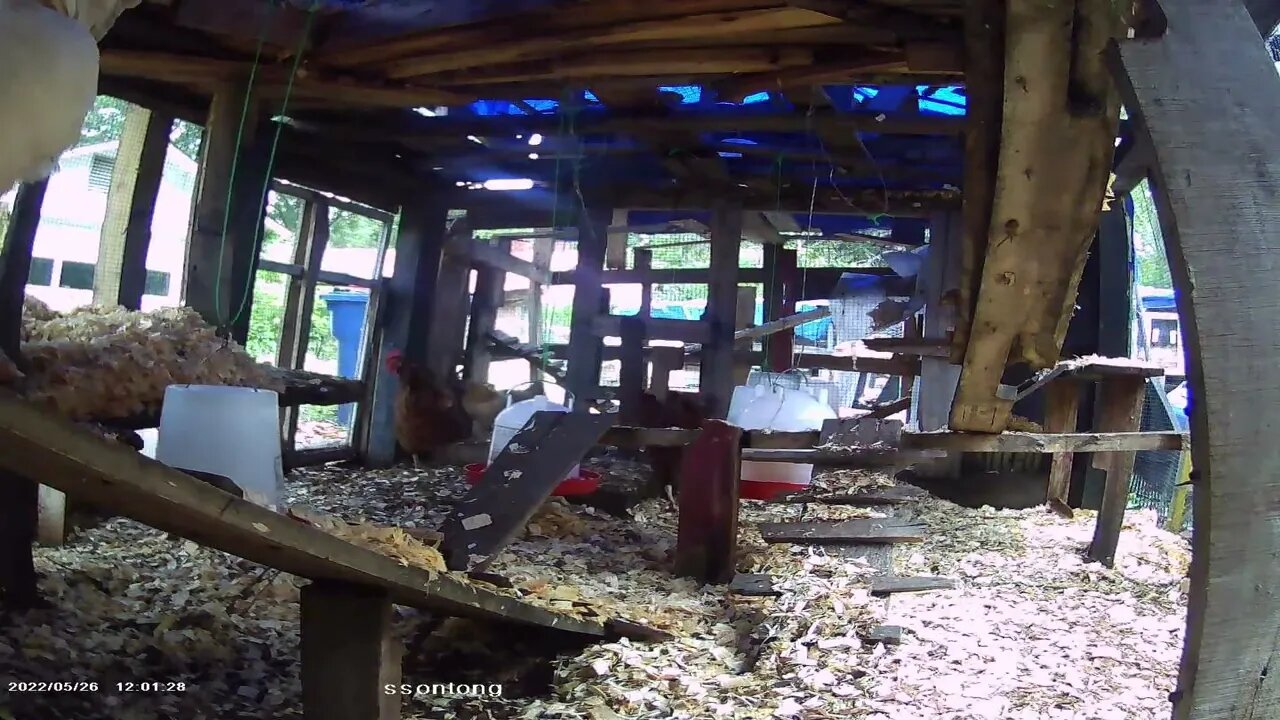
(349, 654)
(744, 317)
(941, 274)
(486, 300)
(1120, 399)
(444, 339)
(543, 249)
(780, 293)
(419, 248)
(716, 373)
(1061, 407)
(227, 177)
(706, 546)
(137, 236)
(615, 256)
(18, 496)
(300, 302)
(644, 261)
(584, 344)
(631, 379)
(121, 273)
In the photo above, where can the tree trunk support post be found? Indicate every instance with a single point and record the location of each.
(585, 345)
(349, 654)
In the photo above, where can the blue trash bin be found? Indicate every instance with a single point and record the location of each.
(347, 310)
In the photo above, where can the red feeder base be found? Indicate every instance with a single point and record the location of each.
(754, 490)
(586, 483)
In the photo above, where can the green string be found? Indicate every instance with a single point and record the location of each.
(223, 322)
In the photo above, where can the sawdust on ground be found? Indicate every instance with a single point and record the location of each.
(1031, 631)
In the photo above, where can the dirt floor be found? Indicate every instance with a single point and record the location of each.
(1031, 631)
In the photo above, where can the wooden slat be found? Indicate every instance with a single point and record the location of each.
(118, 479)
(1020, 442)
(1120, 409)
(1052, 176)
(753, 585)
(1061, 410)
(707, 534)
(889, 585)
(897, 495)
(850, 457)
(516, 484)
(495, 257)
(845, 532)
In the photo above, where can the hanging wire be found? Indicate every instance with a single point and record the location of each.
(226, 322)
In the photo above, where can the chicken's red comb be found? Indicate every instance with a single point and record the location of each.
(394, 358)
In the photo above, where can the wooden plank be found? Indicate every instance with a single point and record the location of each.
(543, 249)
(707, 532)
(818, 281)
(860, 432)
(895, 495)
(142, 204)
(890, 408)
(779, 301)
(923, 347)
(516, 484)
(121, 480)
(1061, 410)
(445, 337)
(878, 532)
(494, 256)
(1020, 442)
(300, 300)
(584, 343)
(1219, 227)
(889, 585)
(408, 293)
(839, 457)
(655, 328)
(349, 653)
(485, 302)
(615, 255)
(715, 382)
(1120, 410)
(1052, 177)
(884, 635)
(644, 263)
(744, 316)
(984, 50)
(753, 585)
(18, 495)
(211, 262)
(789, 322)
(631, 379)
(124, 178)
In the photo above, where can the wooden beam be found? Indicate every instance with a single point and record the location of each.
(872, 532)
(1061, 411)
(922, 347)
(1120, 401)
(837, 457)
(445, 336)
(584, 342)
(349, 653)
(543, 249)
(1052, 176)
(823, 279)
(707, 532)
(715, 382)
(495, 257)
(119, 479)
(142, 204)
(18, 494)
(1045, 443)
(1218, 225)
(516, 484)
(408, 293)
(485, 302)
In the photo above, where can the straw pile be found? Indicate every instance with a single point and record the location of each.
(104, 363)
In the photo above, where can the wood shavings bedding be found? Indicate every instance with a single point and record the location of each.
(1025, 601)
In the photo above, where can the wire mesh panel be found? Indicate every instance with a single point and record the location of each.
(1156, 472)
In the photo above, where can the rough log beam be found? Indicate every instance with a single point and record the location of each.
(1060, 118)
(1218, 218)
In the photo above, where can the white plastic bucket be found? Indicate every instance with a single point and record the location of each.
(230, 431)
(516, 416)
(783, 410)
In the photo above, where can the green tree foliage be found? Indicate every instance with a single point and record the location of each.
(1152, 266)
(106, 121)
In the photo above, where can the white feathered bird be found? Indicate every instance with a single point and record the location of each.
(48, 79)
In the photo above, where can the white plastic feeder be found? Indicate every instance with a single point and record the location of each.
(230, 431)
(780, 410)
(516, 416)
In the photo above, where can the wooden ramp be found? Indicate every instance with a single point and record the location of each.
(47, 449)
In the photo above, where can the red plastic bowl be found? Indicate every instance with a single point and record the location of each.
(586, 483)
